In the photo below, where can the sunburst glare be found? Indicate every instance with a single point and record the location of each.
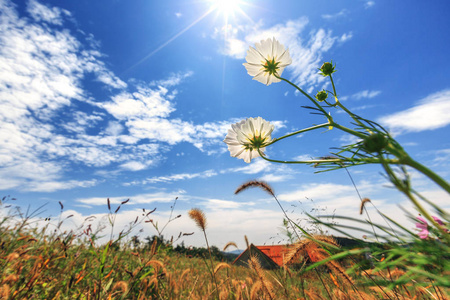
(226, 6)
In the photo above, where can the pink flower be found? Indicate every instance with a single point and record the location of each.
(423, 225)
(439, 221)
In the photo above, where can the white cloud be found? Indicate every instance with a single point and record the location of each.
(275, 177)
(51, 186)
(220, 205)
(339, 14)
(317, 192)
(174, 177)
(41, 12)
(173, 80)
(345, 37)
(133, 166)
(42, 73)
(157, 197)
(145, 103)
(304, 157)
(365, 94)
(178, 14)
(306, 52)
(369, 4)
(430, 113)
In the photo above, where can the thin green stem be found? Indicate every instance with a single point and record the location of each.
(318, 161)
(352, 115)
(427, 172)
(407, 191)
(348, 130)
(297, 132)
(309, 97)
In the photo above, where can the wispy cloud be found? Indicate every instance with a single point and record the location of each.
(369, 4)
(317, 192)
(157, 197)
(430, 113)
(174, 177)
(306, 49)
(43, 70)
(345, 37)
(340, 14)
(365, 94)
(41, 12)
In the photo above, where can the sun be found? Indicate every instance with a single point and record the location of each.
(226, 6)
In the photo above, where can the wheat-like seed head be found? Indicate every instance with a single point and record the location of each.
(4, 291)
(256, 287)
(221, 266)
(199, 218)
(184, 274)
(229, 244)
(224, 293)
(266, 285)
(157, 263)
(363, 202)
(246, 241)
(121, 285)
(255, 183)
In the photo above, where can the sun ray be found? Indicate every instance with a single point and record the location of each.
(170, 40)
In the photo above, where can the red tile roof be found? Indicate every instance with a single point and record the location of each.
(276, 253)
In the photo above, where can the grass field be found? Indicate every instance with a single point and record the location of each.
(74, 265)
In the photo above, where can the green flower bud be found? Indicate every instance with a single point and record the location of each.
(375, 143)
(327, 69)
(321, 96)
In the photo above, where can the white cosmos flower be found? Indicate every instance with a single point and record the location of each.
(245, 137)
(268, 59)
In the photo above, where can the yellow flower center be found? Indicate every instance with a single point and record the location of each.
(271, 66)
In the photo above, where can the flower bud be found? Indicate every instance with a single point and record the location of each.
(327, 69)
(321, 96)
(375, 143)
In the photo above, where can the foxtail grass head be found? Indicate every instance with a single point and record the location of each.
(199, 217)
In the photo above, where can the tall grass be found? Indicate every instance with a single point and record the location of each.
(38, 263)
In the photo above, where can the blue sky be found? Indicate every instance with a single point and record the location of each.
(132, 99)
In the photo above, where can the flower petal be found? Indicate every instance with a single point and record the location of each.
(254, 56)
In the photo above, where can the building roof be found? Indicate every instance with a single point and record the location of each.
(270, 257)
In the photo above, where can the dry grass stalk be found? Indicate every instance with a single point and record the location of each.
(12, 256)
(157, 263)
(221, 266)
(315, 253)
(363, 203)
(313, 294)
(184, 274)
(224, 294)
(121, 286)
(153, 249)
(295, 252)
(340, 271)
(266, 285)
(255, 289)
(4, 291)
(255, 183)
(199, 218)
(246, 241)
(229, 244)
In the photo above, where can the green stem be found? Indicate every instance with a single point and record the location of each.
(348, 130)
(407, 192)
(297, 132)
(352, 115)
(318, 161)
(309, 97)
(427, 172)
